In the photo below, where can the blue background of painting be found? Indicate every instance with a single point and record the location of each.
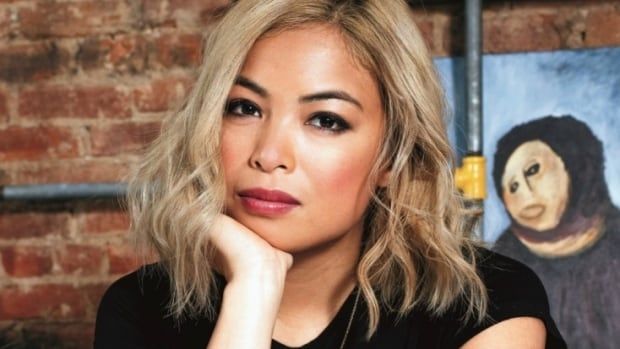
(525, 86)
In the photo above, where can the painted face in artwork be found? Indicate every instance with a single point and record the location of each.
(535, 186)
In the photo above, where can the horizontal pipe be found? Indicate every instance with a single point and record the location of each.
(63, 191)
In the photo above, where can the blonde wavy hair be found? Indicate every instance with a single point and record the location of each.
(417, 250)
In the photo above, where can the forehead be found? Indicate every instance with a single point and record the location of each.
(525, 154)
(315, 55)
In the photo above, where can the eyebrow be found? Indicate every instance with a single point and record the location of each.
(336, 94)
(251, 85)
(324, 95)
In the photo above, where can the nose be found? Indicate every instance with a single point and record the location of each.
(527, 181)
(273, 148)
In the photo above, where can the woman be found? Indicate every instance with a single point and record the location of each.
(550, 175)
(316, 128)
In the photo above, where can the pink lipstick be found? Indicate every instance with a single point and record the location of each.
(267, 202)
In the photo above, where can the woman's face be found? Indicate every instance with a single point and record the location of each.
(305, 119)
(535, 186)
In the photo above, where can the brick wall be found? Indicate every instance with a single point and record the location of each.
(84, 85)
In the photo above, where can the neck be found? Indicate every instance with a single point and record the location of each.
(316, 286)
(571, 237)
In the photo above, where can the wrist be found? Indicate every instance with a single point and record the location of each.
(259, 286)
(250, 306)
(271, 273)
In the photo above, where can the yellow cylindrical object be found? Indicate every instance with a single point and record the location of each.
(470, 177)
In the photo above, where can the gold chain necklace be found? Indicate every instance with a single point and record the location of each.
(346, 333)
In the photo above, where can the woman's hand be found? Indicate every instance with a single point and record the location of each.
(255, 272)
(243, 255)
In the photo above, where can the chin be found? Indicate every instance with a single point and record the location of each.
(295, 243)
(282, 240)
(543, 226)
(538, 224)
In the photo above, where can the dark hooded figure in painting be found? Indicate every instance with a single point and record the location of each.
(549, 173)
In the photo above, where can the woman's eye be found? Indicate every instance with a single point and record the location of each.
(242, 107)
(532, 170)
(329, 122)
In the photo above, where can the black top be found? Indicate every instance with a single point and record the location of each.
(132, 314)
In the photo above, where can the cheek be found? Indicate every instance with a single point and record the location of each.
(232, 150)
(232, 155)
(512, 203)
(229, 157)
(547, 184)
(554, 190)
(342, 176)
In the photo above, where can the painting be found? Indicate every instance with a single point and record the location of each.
(552, 141)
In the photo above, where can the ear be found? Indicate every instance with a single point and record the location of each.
(384, 178)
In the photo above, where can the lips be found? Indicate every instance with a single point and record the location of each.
(532, 211)
(264, 202)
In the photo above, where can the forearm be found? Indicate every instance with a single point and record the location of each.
(248, 315)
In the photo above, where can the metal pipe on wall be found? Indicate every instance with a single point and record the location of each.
(62, 191)
(473, 64)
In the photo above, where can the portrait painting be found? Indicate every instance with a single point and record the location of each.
(551, 142)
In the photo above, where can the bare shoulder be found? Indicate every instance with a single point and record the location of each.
(519, 332)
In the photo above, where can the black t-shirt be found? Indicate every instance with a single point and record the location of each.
(132, 314)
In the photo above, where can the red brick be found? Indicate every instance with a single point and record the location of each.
(74, 18)
(156, 13)
(528, 32)
(124, 53)
(603, 27)
(183, 50)
(26, 261)
(4, 110)
(161, 95)
(30, 332)
(6, 23)
(81, 259)
(46, 102)
(19, 225)
(181, 13)
(106, 222)
(122, 138)
(197, 6)
(102, 101)
(91, 54)
(32, 62)
(62, 334)
(123, 259)
(41, 301)
(571, 26)
(92, 170)
(36, 143)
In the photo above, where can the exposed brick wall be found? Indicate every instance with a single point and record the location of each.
(84, 85)
(522, 25)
